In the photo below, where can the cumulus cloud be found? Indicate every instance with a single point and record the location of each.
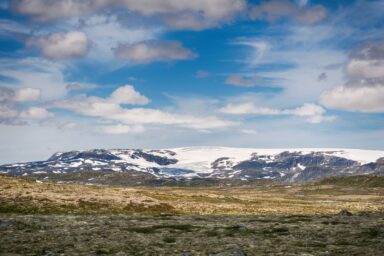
(35, 113)
(20, 95)
(108, 31)
(12, 113)
(146, 52)
(111, 109)
(366, 63)
(360, 99)
(63, 45)
(364, 88)
(128, 95)
(192, 21)
(311, 112)
(27, 94)
(45, 10)
(365, 69)
(277, 9)
(197, 14)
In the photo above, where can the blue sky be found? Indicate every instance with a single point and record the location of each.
(78, 74)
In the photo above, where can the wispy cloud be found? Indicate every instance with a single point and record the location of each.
(154, 51)
(311, 112)
(277, 9)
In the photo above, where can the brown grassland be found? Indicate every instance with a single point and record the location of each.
(258, 219)
(24, 196)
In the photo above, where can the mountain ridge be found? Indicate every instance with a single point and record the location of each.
(287, 165)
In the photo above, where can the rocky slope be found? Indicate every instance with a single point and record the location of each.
(288, 165)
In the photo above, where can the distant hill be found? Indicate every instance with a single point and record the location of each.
(354, 181)
(195, 164)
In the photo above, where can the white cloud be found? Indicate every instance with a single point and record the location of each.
(363, 69)
(200, 14)
(248, 108)
(111, 109)
(189, 21)
(106, 33)
(63, 45)
(27, 94)
(248, 131)
(8, 27)
(363, 90)
(360, 99)
(35, 73)
(122, 129)
(45, 10)
(79, 86)
(212, 8)
(154, 51)
(197, 14)
(299, 80)
(260, 47)
(128, 95)
(155, 116)
(20, 95)
(7, 112)
(69, 125)
(13, 113)
(311, 112)
(276, 9)
(35, 113)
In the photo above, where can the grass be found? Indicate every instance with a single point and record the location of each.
(153, 229)
(355, 181)
(280, 231)
(169, 239)
(27, 197)
(269, 219)
(372, 232)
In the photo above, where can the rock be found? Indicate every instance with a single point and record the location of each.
(363, 214)
(230, 252)
(345, 213)
(102, 251)
(186, 254)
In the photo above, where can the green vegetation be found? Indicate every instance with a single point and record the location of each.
(189, 235)
(354, 181)
(262, 219)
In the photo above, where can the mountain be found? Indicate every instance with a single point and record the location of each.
(286, 165)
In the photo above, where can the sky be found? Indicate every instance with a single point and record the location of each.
(83, 74)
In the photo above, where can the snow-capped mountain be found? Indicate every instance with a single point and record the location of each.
(290, 165)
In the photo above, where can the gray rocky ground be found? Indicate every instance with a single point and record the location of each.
(359, 234)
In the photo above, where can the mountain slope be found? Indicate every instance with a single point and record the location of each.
(289, 165)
